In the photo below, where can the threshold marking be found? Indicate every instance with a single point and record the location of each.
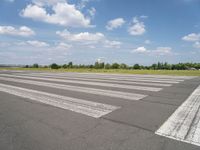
(143, 88)
(117, 94)
(135, 79)
(92, 109)
(103, 80)
(184, 123)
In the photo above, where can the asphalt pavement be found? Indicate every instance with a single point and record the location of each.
(95, 111)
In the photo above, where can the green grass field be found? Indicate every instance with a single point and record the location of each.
(118, 71)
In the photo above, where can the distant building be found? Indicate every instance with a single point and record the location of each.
(192, 69)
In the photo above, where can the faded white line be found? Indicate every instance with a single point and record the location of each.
(184, 123)
(138, 80)
(101, 80)
(116, 94)
(122, 76)
(133, 78)
(85, 107)
(141, 75)
(143, 88)
(13, 71)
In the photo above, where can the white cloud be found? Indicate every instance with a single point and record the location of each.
(112, 44)
(26, 53)
(115, 23)
(91, 46)
(81, 37)
(143, 17)
(158, 51)
(35, 12)
(192, 37)
(62, 45)
(32, 43)
(137, 27)
(37, 43)
(64, 14)
(100, 59)
(82, 4)
(4, 44)
(92, 12)
(140, 50)
(196, 44)
(91, 40)
(163, 51)
(47, 2)
(22, 31)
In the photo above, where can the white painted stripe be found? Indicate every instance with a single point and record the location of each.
(13, 71)
(101, 80)
(140, 75)
(184, 123)
(126, 77)
(116, 94)
(89, 108)
(138, 80)
(143, 88)
(117, 76)
(162, 77)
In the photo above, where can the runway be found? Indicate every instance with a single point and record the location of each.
(94, 111)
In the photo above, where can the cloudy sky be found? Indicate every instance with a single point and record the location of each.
(83, 31)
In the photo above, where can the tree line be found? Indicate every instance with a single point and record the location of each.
(102, 65)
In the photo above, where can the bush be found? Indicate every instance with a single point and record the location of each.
(136, 66)
(35, 66)
(54, 66)
(115, 66)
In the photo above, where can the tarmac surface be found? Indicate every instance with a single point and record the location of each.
(91, 111)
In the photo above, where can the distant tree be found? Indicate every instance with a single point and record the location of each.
(147, 67)
(107, 66)
(167, 66)
(115, 66)
(35, 66)
(142, 67)
(96, 65)
(91, 66)
(154, 66)
(136, 66)
(181, 66)
(82, 66)
(123, 66)
(101, 65)
(27, 66)
(70, 64)
(65, 66)
(173, 67)
(197, 65)
(159, 65)
(54, 66)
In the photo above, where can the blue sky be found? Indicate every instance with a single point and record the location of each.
(84, 31)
